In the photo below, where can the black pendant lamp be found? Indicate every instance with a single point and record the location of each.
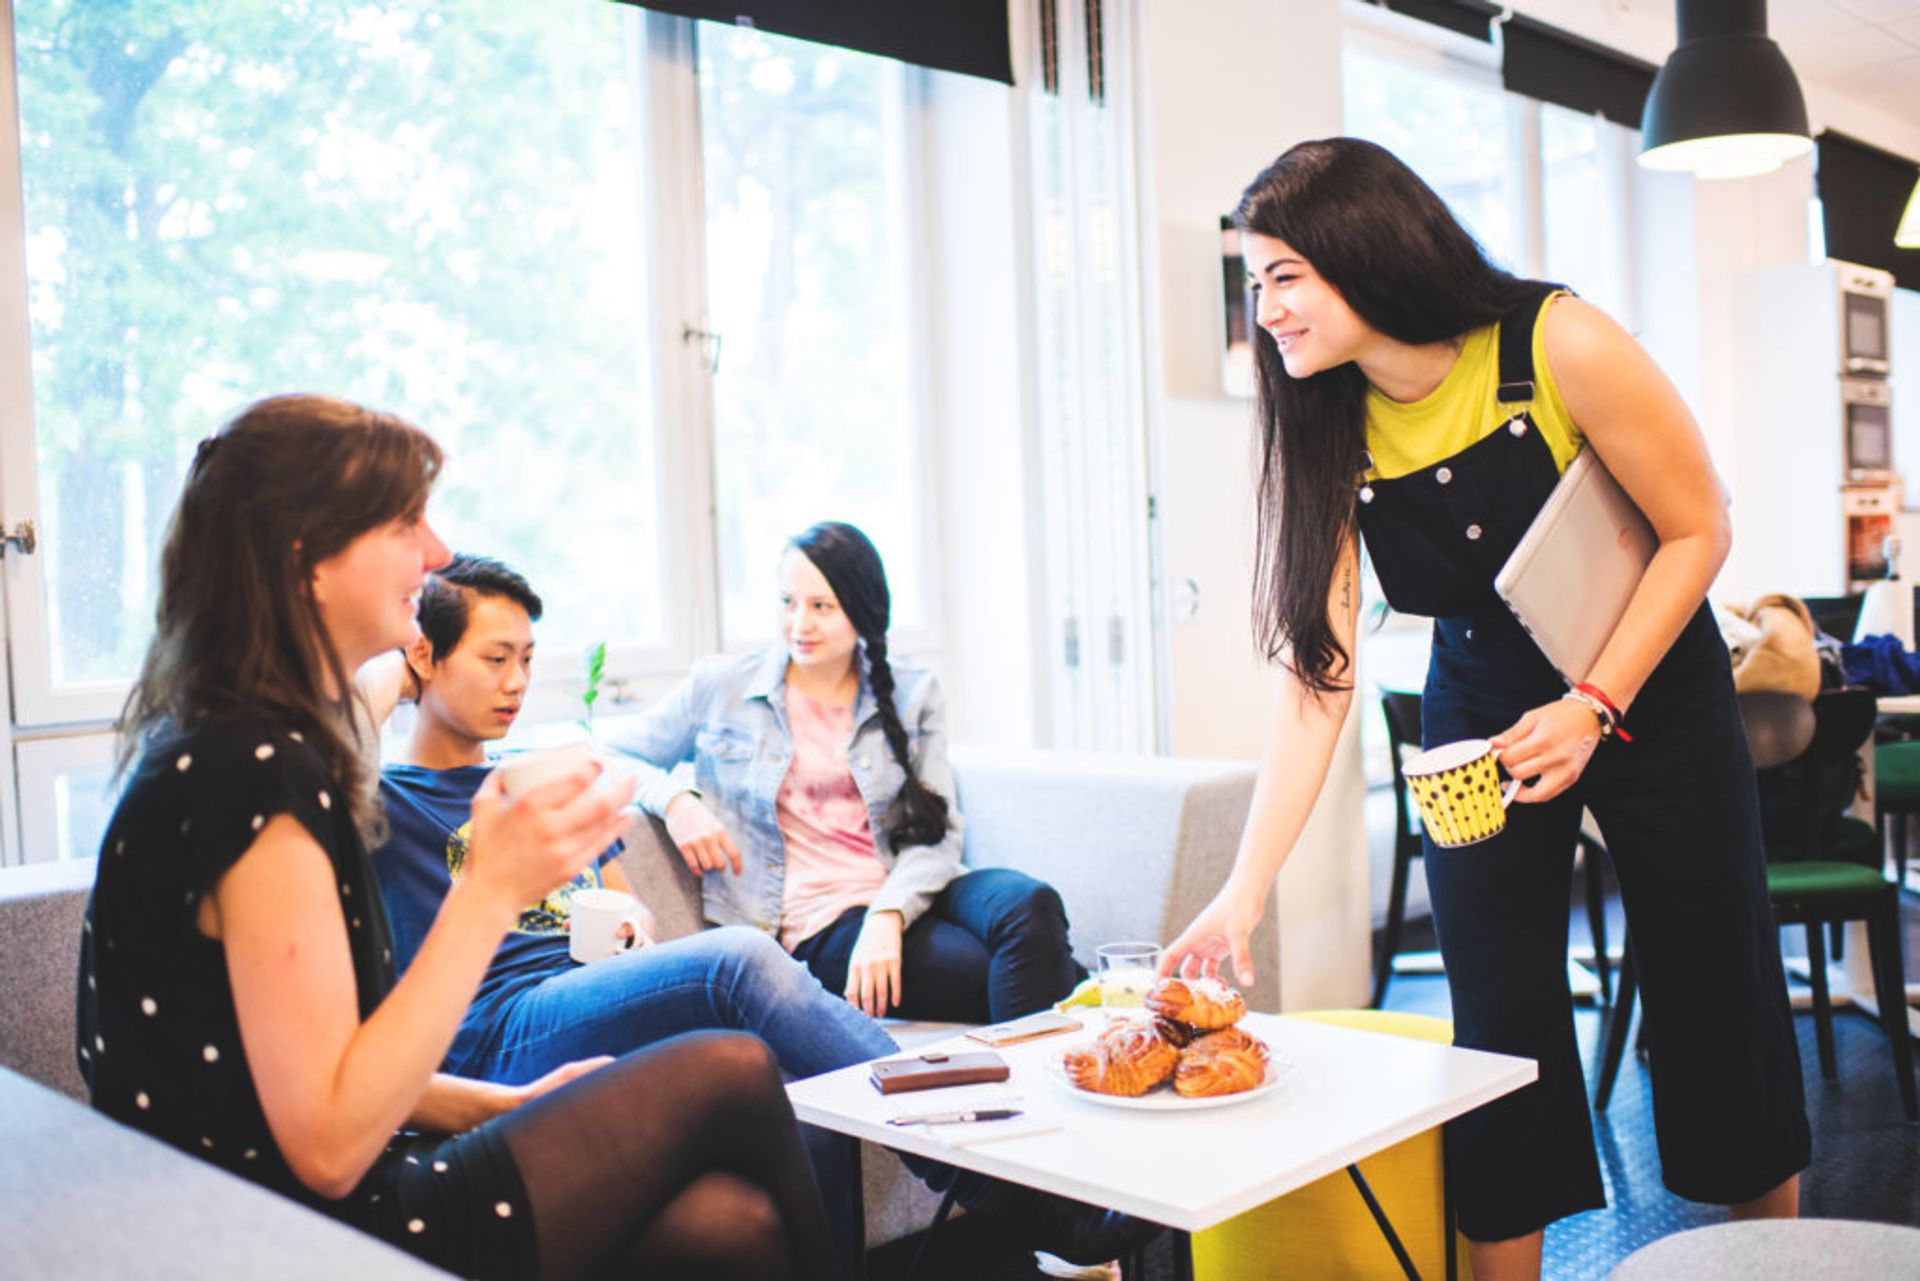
(1726, 104)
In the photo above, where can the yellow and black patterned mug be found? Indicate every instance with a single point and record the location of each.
(1457, 787)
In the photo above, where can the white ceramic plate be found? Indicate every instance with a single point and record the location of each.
(1161, 1098)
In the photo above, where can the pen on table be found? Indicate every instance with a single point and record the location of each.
(957, 1118)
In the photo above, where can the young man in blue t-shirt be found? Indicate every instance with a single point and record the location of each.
(537, 1009)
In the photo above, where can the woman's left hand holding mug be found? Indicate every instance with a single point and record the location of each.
(1548, 748)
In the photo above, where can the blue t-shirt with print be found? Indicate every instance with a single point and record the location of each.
(429, 817)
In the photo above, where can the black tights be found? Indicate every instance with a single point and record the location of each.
(680, 1160)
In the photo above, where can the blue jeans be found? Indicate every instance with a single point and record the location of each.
(732, 978)
(992, 947)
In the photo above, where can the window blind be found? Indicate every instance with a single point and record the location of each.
(967, 36)
(1863, 191)
(1571, 71)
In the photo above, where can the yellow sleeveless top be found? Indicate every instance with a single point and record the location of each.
(1405, 437)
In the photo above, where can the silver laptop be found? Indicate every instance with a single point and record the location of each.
(1577, 566)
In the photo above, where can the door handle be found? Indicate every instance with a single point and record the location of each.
(18, 538)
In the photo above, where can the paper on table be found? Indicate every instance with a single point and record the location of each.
(969, 1098)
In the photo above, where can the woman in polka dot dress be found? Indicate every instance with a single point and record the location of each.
(236, 993)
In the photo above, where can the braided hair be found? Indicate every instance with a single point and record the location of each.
(846, 558)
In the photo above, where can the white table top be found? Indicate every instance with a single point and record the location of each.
(1349, 1095)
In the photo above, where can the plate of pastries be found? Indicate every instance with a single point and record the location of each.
(1181, 1052)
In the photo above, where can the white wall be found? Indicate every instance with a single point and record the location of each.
(1220, 99)
(979, 288)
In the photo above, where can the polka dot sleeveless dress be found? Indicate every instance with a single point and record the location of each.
(159, 1041)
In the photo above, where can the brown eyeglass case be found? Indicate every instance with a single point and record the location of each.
(934, 1069)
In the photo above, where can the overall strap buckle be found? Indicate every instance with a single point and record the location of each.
(1516, 345)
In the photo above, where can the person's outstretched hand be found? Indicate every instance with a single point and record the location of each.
(1221, 932)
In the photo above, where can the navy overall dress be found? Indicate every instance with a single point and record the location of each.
(1678, 810)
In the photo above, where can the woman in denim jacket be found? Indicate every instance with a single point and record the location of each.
(822, 808)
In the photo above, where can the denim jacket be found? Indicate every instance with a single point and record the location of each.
(730, 719)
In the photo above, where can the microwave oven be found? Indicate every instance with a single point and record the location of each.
(1867, 405)
(1866, 296)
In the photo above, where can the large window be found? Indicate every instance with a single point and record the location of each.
(429, 208)
(1543, 189)
(474, 213)
(1448, 120)
(810, 285)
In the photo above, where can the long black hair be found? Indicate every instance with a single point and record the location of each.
(846, 558)
(287, 484)
(1394, 251)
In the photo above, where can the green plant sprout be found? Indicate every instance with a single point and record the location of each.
(596, 667)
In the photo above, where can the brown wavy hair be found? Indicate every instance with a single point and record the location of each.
(288, 483)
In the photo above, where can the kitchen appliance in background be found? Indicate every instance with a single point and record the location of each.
(1873, 539)
(1818, 498)
(1866, 298)
(1866, 405)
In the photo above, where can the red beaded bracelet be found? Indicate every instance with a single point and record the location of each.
(1599, 696)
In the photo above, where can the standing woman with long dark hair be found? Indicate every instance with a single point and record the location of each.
(237, 996)
(836, 827)
(1415, 396)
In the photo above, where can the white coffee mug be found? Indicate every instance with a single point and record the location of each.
(606, 923)
(524, 771)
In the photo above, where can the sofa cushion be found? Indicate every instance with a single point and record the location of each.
(88, 1197)
(41, 907)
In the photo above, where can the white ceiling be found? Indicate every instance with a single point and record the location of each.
(1868, 50)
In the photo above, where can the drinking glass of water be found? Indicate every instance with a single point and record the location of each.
(1126, 972)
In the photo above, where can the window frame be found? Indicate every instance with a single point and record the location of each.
(45, 725)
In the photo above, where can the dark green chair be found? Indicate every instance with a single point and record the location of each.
(1896, 797)
(1823, 868)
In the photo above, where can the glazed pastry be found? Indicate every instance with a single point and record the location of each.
(1127, 1059)
(1231, 1038)
(1202, 1004)
(1178, 1035)
(1226, 1062)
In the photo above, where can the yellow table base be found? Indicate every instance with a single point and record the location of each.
(1323, 1231)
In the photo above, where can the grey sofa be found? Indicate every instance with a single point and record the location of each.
(1135, 845)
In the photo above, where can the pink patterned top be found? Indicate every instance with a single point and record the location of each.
(831, 864)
